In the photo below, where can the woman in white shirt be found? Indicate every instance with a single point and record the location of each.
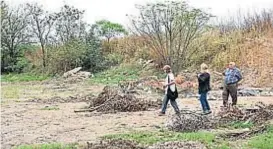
(169, 84)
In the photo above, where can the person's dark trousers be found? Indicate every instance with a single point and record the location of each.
(231, 90)
(204, 101)
(173, 103)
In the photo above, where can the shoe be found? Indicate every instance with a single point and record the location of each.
(206, 112)
(161, 114)
(209, 112)
(177, 113)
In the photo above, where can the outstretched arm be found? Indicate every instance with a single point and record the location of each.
(223, 74)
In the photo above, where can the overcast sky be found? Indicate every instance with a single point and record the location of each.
(116, 10)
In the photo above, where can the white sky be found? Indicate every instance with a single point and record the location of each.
(116, 10)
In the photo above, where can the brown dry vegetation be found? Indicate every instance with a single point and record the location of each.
(249, 43)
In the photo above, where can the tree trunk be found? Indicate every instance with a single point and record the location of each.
(108, 45)
(44, 56)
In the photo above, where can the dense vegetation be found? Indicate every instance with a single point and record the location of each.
(36, 41)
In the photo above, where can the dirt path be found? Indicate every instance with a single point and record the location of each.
(27, 123)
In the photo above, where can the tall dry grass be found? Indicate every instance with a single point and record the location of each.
(249, 42)
(246, 39)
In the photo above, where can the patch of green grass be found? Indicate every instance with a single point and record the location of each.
(23, 77)
(220, 145)
(117, 74)
(238, 125)
(149, 138)
(262, 141)
(50, 108)
(223, 147)
(47, 146)
(10, 92)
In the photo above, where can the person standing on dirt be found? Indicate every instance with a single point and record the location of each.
(204, 88)
(169, 86)
(232, 77)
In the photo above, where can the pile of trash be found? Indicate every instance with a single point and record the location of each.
(179, 145)
(114, 99)
(75, 75)
(188, 122)
(113, 144)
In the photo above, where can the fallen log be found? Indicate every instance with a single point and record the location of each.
(242, 134)
(252, 109)
(83, 110)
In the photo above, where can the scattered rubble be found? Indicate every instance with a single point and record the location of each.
(179, 145)
(255, 91)
(248, 92)
(145, 84)
(75, 75)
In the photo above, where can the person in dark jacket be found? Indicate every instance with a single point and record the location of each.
(204, 87)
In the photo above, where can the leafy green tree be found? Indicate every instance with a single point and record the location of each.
(76, 53)
(65, 57)
(14, 32)
(107, 29)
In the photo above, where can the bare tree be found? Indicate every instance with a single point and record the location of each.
(69, 24)
(42, 24)
(14, 31)
(169, 28)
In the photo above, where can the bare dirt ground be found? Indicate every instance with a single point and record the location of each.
(30, 122)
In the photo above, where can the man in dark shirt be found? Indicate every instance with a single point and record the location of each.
(232, 77)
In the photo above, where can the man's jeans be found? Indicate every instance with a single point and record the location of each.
(173, 103)
(204, 101)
